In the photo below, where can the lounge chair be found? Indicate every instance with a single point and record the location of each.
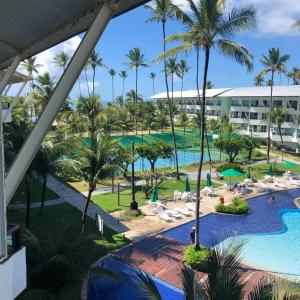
(183, 211)
(163, 215)
(173, 214)
(211, 192)
(191, 207)
(177, 195)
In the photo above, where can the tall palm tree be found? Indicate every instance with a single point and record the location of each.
(31, 66)
(152, 76)
(123, 75)
(161, 11)
(95, 61)
(172, 70)
(183, 121)
(278, 117)
(273, 63)
(112, 73)
(209, 85)
(61, 59)
(136, 60)
(294, 74)
(259, 80)
(182, 70)
(211, 26)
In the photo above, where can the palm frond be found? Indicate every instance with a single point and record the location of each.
(185, 48)
(238, 52)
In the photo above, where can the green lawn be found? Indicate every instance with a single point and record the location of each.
(55, 218)
(165, 191)
(20, 194)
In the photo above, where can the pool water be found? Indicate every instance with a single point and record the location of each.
(276, 252)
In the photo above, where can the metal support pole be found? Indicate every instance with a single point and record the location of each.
(67, 81)
(3, 225)
(14, 102)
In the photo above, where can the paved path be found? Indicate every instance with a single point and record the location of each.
(77, 200)
(37, 204)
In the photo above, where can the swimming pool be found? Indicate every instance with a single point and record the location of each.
(272, 232)
(105, 288)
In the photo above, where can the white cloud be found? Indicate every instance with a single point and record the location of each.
(45, 58)
(274, 17)
(84, 85)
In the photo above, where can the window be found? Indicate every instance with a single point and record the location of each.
(253, 116)
(293, 104)
(278, 103)
(289, 118)
(266, 103)
(236, 103)
(263, 128)
(264, 116)
(244, 115)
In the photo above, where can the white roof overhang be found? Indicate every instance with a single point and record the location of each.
(32, 26)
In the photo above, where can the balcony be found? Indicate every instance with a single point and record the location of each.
(13, 269)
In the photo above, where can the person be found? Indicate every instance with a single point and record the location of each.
(192, 234)
(271, 200)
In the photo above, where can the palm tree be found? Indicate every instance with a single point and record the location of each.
(152, 76)
(123, 75)
(125, 120)
(172, 70)
(136, 61)
(183, 69)
(95, 61)
(209, 85)
(183, 120)
(162, 10)
(273, 63)
(294, 74)
(278, 117)
(61, 60)
(112, 73)
(210, 25)
(259, 80)
(31, 66)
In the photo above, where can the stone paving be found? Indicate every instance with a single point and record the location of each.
(77, 200)
(37, 204)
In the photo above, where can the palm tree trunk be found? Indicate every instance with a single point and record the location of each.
(113, 88)
(169, 104)
(202, 135)
(44, 191)
(79, 87)
(134, 204)
(136, 97)
(208, 150)
(94, 73)
(123, 91)
(153, 87)
(87, 83)
(270, 121)
(87, 203)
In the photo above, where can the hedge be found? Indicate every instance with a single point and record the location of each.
(237, 207)
(226, 166)
(197, 259)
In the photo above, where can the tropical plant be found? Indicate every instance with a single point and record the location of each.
(123, 75)
(161, 11)
(278, 117)
(112, 73)
(152, 76)
(209, 85)
(273, 63)
(61, 59)
(31, 66)
(184, 121)
(210, 25)
(125, 120)
(136, 60)
(259, 80)
(182, 70)
(294, 74)
(95, 61)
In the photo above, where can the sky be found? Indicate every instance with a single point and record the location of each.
(274, 21)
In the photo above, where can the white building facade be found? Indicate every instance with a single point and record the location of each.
(248, 109)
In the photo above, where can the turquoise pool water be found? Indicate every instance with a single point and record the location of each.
(276, 252)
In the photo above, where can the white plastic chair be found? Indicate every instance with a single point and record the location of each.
(183, 211)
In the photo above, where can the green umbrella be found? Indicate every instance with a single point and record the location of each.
(187, 185)
(154, 196)
(208, 180)
(289, 164)
(270, 170)
(231, 173)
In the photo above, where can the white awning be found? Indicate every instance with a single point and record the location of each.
(32, 26)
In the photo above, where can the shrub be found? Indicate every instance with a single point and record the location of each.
(198, 260)
(226, 166)
(237, 207)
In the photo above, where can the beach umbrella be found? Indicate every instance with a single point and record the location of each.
(231, 173)
(154, 195)
(187, 185)
(270, 170)
(208, 180)
(289, 164)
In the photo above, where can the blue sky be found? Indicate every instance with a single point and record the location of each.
(131, 30)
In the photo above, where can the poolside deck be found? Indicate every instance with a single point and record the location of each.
(161, 257)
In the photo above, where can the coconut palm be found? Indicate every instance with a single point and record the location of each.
(278, 117)
(172, 70)
(31, 66)
(209, 85)
(95, 61)
(123, 75)
(136, 60)
(211, 26)
(294, 74)
(112, 73)
(259, 80)
(182, 70)
(183, 120)
(152, 76)
(161, 11)
(273, 63)
(61, 59)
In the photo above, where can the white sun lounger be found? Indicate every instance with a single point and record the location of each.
(183, 211)
(191, 207)
(173, 213)
(163, 215)
(177, 195)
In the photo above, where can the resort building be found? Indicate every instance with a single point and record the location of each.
(248, 108)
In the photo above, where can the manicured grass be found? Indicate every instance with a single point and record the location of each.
(109, 201)
(20, 194)
(55, 218)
